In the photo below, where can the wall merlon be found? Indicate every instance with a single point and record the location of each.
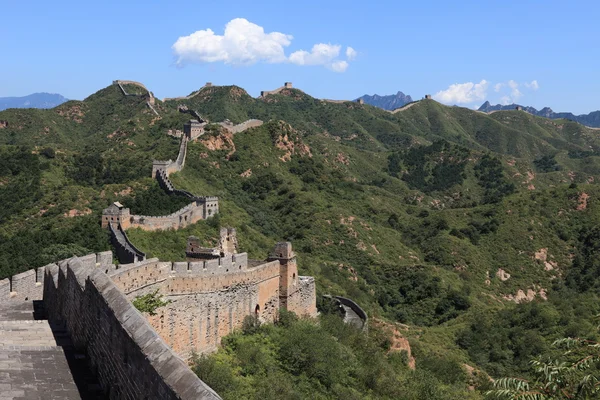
(241, 260)
(89, 260)
(104, 259)
(180, 267)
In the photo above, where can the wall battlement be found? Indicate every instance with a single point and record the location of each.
(29, 285)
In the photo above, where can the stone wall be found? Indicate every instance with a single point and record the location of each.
(172, 166)
(209, 299)
(303, 300)
(29, 285)
(130, 359)
(208, 84)
(251, 123)
(120, 83)
(125, 250)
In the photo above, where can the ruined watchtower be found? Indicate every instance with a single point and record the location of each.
(519, 108)
(287, 85)
(360, 101)
(288, 272)
(427, 97)
(3, 124)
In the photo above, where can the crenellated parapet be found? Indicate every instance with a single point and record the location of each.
(29, 285)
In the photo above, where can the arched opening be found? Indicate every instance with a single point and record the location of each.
(294, 279)
(256, 309)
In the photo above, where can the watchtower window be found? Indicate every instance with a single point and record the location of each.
(256, 309)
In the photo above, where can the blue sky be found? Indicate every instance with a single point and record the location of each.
(538, 53)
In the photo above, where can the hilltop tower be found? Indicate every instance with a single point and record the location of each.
(427, 97)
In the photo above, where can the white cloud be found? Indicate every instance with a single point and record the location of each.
(245, 43)
(350, 53)
(533, 85)
(512, 90)
(321, 54)
(339, 66)
(242, 43)
(463, 92)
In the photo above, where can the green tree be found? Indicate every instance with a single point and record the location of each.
(572, 376)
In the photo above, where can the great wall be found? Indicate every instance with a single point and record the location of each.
(122, 353)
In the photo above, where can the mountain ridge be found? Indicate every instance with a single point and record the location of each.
(591, 119)
(34, 100)
(387, 102)
(445, 219)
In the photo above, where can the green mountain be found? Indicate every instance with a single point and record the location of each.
(472, 235)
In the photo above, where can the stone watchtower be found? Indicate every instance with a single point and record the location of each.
(288, 271)
(427, 97)
(193, 129)
(117, 214)
(287, 85)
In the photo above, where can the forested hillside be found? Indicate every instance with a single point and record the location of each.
(473, 236)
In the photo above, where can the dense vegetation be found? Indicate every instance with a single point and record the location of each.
(479, 232)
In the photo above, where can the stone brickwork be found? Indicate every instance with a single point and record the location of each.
(130, 359)
(302, 300)
(3, 124)
(210, 298)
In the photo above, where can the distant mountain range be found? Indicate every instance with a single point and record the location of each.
(35, 100)
(390, 102)
(592, 119)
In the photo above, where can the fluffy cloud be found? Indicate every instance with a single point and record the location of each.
(320, 53)
(242, 43)
(245, 43)
(350, 53)
(461, 93)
